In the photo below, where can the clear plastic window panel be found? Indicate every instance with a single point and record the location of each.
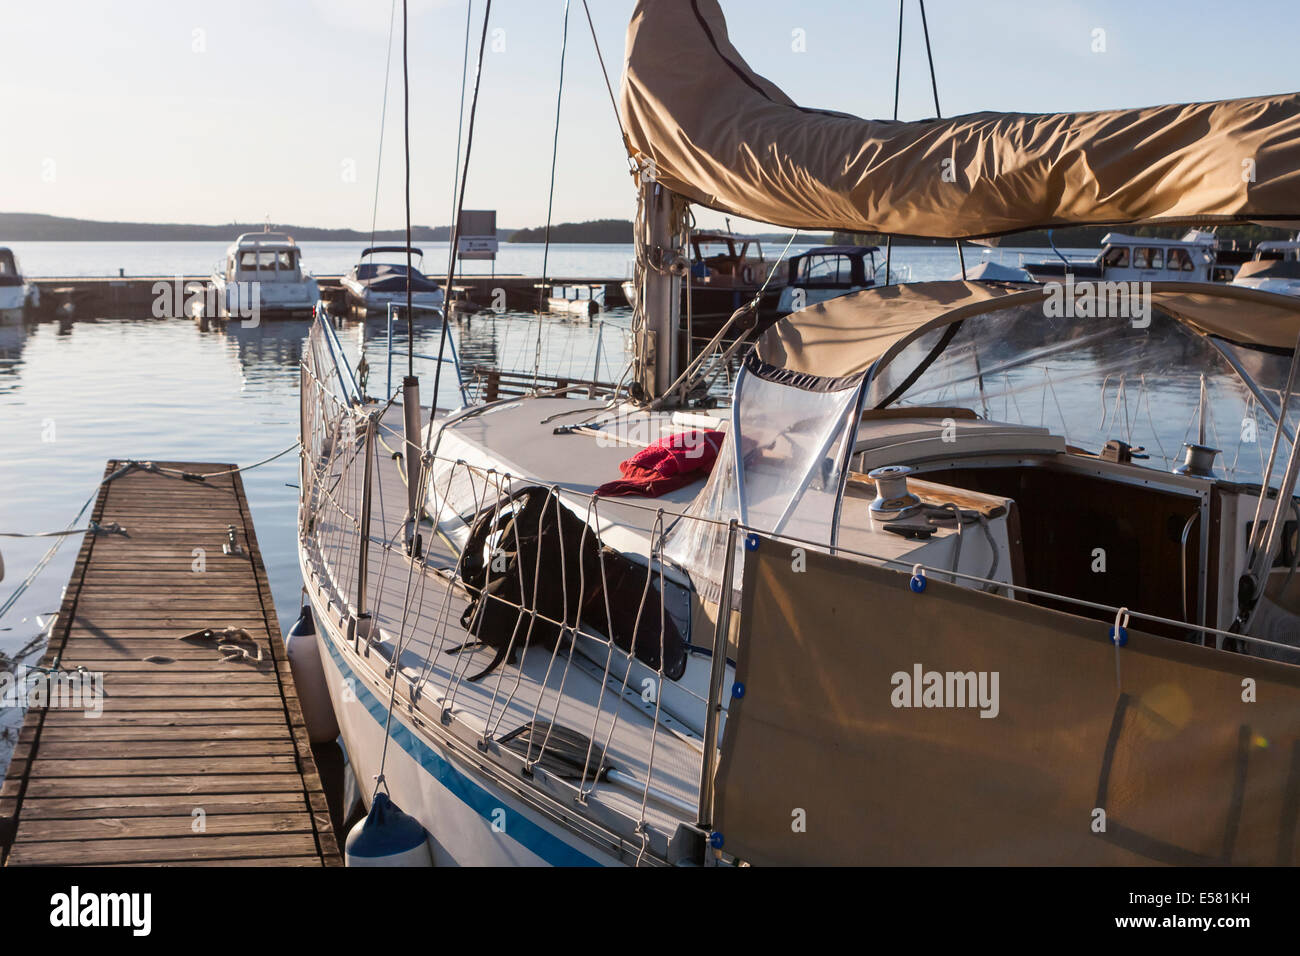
(792, 448)
(1091, 380)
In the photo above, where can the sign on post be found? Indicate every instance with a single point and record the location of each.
(478, 234)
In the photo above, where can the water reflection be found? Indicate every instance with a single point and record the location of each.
(13, 338)
(564, 346)
(269, 345)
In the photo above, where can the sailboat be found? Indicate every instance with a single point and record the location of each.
(918, 604)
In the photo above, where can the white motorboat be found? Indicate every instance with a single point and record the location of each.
(380, 279)
(909, 504)
(1274, 268)
(262, 274)
(18, 297)
(1125, 258)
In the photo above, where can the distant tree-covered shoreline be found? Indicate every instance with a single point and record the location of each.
(36, 227)
(595, 230)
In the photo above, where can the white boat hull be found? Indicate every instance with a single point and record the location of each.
(14, 301)
(235, 300)
(372, 301)
(472, 820)
(1279, 286)
(587, 307)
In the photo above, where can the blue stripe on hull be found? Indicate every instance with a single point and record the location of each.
(524, 831)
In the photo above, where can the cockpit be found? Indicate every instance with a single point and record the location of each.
(1073, 458)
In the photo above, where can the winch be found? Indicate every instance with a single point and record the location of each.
(893, 500)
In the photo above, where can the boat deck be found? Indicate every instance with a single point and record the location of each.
(417, 610)
(195, 758)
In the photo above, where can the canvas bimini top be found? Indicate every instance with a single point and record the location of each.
(855, 333)
(374, 250)
(983, 174)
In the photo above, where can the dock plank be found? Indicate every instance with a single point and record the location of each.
(118, 782)
(147, 786)
(177, 825)
(160, 850)
(157, 805)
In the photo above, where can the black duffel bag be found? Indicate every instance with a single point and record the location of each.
(531, 552)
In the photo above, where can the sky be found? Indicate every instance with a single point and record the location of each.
(213, 111)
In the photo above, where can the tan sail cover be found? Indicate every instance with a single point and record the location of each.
(848, 334)
(724, 137)
(1161, 759)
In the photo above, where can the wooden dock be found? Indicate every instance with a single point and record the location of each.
(194, 759)
(139, 296)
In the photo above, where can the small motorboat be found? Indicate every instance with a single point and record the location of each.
(373, 284)
(1275, 268)
(575, 300)
(17, 296)
(261, 274)
(826, 272)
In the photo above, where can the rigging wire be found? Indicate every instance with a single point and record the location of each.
(934, 85)
(460, 203)
(613, 101)
(938, 114)
(934, 88)
(550, 196)
(898, 60)
(460, 118)
(383, 116)
(898, 75)
(406, 142)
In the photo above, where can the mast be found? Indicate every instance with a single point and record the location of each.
(661, 262)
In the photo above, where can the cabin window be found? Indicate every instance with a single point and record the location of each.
(824, 270)
(1148, 258)
(714, 249)
(267, 260)
(1180, 260)
(1116, 257)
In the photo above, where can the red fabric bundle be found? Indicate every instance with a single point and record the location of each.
(666, 465)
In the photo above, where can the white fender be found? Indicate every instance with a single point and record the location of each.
(303, 646)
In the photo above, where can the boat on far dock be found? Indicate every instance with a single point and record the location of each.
(1123, 258)
(826, 272)
(1275, 268)
(17, 296)
(571, 300)
(724, 277)
(261, 274)
(371, 285)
